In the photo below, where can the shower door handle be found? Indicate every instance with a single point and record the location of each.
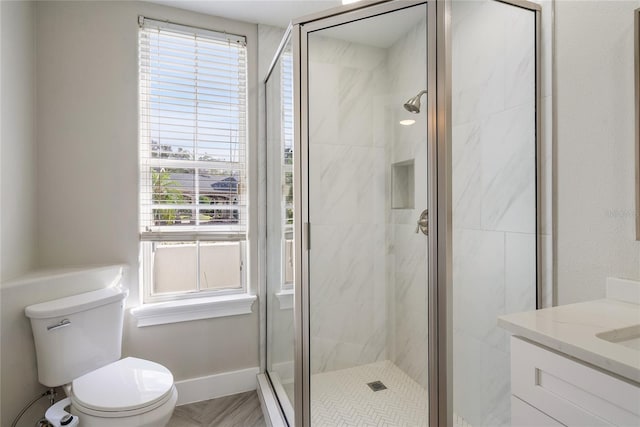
(423, 223)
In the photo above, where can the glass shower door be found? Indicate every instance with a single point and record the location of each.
(366, 189)
(280, 242)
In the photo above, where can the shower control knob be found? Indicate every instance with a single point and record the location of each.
(423, 223)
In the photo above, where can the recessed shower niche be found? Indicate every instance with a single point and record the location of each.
(403, 185)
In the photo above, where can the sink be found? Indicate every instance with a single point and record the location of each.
(628, 337)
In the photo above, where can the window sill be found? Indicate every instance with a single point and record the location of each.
(192, 309)
(285, 299)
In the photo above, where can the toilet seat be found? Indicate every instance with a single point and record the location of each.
(127, 387)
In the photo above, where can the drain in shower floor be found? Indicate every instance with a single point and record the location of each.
(377, 386)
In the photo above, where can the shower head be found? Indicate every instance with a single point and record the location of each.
(413, 104)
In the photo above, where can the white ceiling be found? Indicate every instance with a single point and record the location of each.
(381, 31)
(271, 12)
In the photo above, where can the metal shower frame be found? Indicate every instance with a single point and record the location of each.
(439, 196)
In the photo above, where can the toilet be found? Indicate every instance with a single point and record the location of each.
(78, 346)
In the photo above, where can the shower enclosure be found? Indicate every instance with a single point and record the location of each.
(401, 141)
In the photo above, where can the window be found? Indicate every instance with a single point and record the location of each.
(286, 83)
(193, 157)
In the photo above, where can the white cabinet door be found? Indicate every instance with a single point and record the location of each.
(569, 391)
(525, 415)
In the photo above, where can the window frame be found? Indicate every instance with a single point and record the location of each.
(193, 234)
(147, 277)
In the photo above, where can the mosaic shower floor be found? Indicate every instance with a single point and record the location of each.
(343, 398)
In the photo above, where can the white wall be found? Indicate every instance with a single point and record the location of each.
(1, 73)
(87, 152)
(17, 155)
(18, 170)
(86, 162)
(595, 147)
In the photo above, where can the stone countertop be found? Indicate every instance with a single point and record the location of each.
(571, 329)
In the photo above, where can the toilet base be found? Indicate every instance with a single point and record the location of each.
(157, 417)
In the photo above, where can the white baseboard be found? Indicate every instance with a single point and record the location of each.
(218, 385)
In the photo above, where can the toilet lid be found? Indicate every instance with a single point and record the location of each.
(125, 385)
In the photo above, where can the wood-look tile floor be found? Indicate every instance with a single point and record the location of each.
(239, 410)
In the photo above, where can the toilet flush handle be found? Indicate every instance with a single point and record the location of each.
(61, 324)
(57, 415)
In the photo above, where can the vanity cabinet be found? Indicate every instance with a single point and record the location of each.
(525, 415)
(551, 389)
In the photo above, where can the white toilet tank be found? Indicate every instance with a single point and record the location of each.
(77, 334)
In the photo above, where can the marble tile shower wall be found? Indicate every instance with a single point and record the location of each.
(493, 151)
(347, 204)
(408, 323)
(368, 271)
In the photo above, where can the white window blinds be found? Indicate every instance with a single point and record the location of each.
(193, 133)
(286, 83)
